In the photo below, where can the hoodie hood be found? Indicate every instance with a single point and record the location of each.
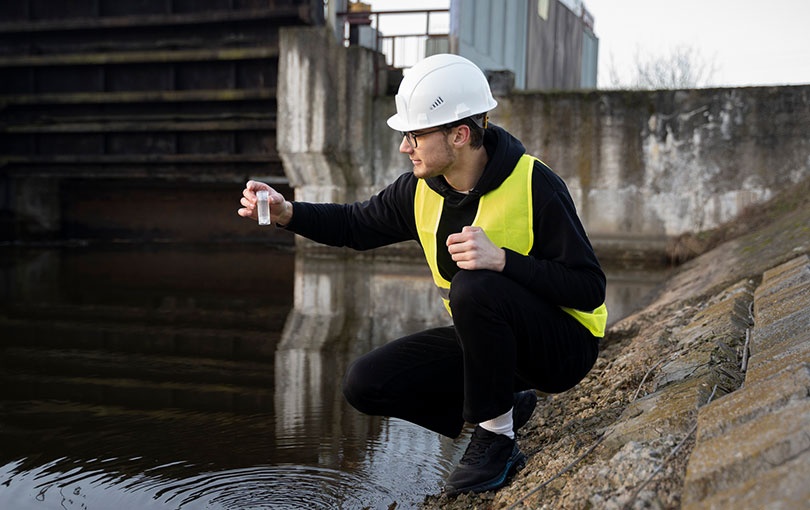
(503, 153)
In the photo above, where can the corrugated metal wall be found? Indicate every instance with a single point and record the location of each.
(590, 59)
(555, 48)
(543, 42)
(491, 33)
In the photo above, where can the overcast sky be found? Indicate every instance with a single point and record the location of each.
(750, 42)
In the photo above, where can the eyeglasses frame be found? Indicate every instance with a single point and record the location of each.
(411, 137)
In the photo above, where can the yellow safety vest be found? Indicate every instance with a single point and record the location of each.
(505, 214)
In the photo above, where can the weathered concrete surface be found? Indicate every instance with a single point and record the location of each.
(782, 306)
(704, 358)
(647, 395)
(325, 113)
(750, 433)
(794, 328)
(752, 402)
(665, 162)
(747, 451)
(671, 411)
(726, 315)
(782, 488)
(771, 363)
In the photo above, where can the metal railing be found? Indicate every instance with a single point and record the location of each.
(387, 44)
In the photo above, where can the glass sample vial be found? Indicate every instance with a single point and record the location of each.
(264, 207)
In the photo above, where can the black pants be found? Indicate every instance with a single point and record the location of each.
(504, 339)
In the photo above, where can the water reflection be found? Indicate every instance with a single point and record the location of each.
(207, 378)
(629, 289)
(182, 378)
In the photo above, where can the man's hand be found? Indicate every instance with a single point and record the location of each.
(472, 249)
(281, 211)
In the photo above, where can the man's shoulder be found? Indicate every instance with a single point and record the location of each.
(405, 180)
(545, 181)
(400, 189)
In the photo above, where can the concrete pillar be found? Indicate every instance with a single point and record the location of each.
(325, 115)
(338, 300)
(344, 307)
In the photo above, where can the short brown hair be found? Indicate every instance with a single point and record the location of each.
(475, 123)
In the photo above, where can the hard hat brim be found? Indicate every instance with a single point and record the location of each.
(396, 123)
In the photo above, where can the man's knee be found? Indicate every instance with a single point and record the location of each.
(359, 386)
(472, 289)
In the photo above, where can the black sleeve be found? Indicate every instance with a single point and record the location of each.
(385, 218)
(561, 266)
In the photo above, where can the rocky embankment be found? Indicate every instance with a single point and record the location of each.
(699, 401)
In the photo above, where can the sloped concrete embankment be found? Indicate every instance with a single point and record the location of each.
(637, 433)
(753, 447)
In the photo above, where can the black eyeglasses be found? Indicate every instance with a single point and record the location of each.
(411, 136)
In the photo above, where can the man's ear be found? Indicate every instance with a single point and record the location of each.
(462, 135)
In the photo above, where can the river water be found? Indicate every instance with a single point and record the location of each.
(209, 378)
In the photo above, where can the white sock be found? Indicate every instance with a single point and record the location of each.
(500, 425)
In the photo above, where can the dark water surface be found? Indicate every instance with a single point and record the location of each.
(208, 378)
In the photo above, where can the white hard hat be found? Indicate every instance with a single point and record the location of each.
(438, 90)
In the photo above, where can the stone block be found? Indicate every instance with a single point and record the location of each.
(712, 354)
(728, 318)
(732, 410)
(727, 314)
(742, 291)
(692, 363)
(782, 304)
(672, 410)
(784, 487)
(780, 284)
(786, 331)
(747, 451)
(791, 265)
(788, 286)
(768, 364)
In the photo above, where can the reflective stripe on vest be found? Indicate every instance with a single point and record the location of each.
(505, 215)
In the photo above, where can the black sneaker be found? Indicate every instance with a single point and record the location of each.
(525, 401)
(489, 460)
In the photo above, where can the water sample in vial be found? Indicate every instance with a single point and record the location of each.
(264, 207)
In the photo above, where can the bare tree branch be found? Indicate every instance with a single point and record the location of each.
(683, 67)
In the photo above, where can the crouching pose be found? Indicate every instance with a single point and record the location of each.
(509, 256)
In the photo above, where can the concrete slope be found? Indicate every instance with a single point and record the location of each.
(729, 329)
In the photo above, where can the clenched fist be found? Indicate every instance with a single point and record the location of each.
(472, 249)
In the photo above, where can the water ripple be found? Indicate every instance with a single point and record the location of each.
(283, 487)
(278, 487)
(401, 466)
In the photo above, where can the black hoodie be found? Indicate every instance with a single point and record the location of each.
(561, 267)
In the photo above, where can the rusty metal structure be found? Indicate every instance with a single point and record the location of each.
(152, 102)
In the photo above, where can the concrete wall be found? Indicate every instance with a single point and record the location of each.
(662, 163)
(641, 166)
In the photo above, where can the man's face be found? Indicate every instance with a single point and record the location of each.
(433, 154)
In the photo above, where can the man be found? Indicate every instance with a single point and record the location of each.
(508, 253)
